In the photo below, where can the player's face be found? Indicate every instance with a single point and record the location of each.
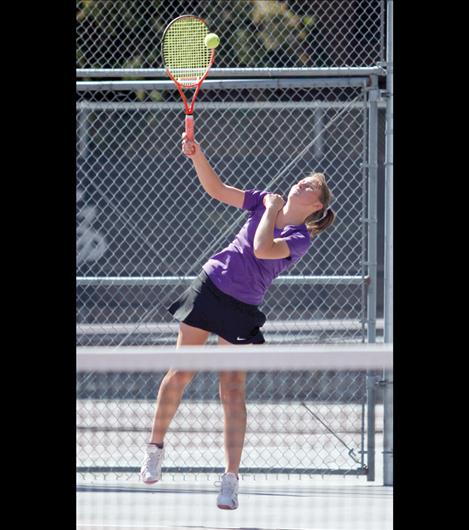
(307, 192)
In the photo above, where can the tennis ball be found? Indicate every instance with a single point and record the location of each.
(212, 40)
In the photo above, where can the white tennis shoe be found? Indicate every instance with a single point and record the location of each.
(151, 467)
(228, 497)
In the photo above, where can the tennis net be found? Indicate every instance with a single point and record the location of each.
(314, 417)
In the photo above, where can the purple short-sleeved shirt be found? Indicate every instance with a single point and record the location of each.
(237, 272)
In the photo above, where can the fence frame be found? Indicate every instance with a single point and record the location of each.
(226, 73)
(365, 78)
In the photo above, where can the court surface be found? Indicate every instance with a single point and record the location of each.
(265, 503)
(322, 504)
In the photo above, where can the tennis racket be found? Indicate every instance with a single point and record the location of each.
(187, 60)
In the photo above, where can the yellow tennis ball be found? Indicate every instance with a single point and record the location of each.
(212, 40)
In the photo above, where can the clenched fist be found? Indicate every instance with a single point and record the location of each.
(274, 202)
(189, 148)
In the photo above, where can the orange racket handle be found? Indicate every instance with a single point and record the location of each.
(190, 130)
(190, 127)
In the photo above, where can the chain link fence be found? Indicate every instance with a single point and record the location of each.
(145, 226)
(298, 423)
(259, 33)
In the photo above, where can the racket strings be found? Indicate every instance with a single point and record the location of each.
(184, 52)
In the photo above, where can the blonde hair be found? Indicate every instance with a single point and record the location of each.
(322, 219)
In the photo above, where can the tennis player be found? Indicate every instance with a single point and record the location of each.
(224, 299)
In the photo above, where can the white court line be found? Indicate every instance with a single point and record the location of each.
(172, 527)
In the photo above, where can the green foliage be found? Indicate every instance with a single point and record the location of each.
(127, 33)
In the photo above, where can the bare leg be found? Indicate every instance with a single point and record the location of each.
(173, 385)
(233, 398)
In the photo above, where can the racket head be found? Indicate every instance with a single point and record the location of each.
(185, 56)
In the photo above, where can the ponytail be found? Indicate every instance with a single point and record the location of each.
(322, 219)
(319, 221)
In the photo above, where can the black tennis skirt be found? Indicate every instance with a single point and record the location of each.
(204, 306)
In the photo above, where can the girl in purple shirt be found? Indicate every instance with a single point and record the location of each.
(224, 299)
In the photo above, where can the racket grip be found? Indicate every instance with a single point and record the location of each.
(190, 128)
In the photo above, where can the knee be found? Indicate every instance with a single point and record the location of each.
(178, 378)
(233, 397)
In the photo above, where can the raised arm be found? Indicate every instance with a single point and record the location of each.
(210, 181)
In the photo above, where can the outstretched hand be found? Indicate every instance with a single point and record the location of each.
(274, 202)
(189, 148)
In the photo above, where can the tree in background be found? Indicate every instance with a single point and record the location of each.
(127, 33)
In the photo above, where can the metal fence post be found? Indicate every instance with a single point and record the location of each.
(372, 260)
(82, 132)
(370, 426)
(388, 251)
(372, 218)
